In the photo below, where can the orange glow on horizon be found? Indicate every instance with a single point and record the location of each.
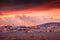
(55, 13)
(50, 13)
(28, 11)
(6, 16)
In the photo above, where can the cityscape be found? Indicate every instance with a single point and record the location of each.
(48, 31)
(47, 27)
(29, 19)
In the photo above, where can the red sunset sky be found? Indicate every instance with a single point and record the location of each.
(30, 14)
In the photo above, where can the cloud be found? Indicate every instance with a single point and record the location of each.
(29, 4)
(31, 17)
(27, 20)
(1, 14)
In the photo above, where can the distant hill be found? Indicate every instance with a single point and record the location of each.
(49, 24)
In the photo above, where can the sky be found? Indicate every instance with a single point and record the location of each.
(29, 12)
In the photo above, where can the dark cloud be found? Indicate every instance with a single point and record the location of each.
(26, 4)
(18, 2)
(24, 1)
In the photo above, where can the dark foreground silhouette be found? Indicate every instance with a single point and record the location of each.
(30, 36)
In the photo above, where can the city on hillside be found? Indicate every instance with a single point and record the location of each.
(47, 27)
